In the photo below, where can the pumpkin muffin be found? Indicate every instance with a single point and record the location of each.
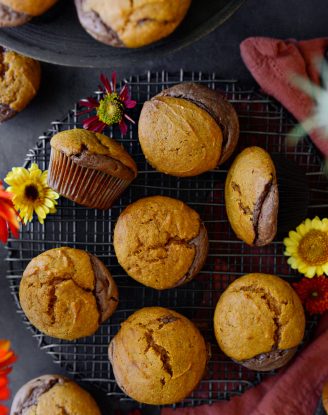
(89, 168)
(160, 242)
(18, 12)
(259, 321)
(187, 130)
(251, 197)
(124, 23)
(67, 293)
(158, 356)
(53, 395)
(19, 82)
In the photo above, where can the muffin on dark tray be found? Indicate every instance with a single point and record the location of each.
(19, 82)
(18, 12)
(123, 23)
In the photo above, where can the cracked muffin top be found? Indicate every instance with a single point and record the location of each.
(187, 130)
(158, 356)
(67, 293)
(53, 395)
(256, 314)
(160, 242)
(131, 23)
(96, 151)
(19, 82)
(251, 197)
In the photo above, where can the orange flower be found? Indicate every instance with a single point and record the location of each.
(8, 216)
(7, 358)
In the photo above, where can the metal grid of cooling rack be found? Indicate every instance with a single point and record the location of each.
(264, 123)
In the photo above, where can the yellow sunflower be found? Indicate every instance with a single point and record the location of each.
(307, 247)
(31, 192)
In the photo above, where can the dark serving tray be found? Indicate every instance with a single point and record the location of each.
(264, 123)
(57, 37)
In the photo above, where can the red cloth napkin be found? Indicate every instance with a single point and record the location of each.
(273, 62)
(294, 391)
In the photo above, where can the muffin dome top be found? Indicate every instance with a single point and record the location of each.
(66, 293)
(158, 356)
(20, 79)
(251, 196)
(140, 22)
(178, 137)
(55, 395)
(155, 241)
(256, 314)
(31, 7)
(96, 151)
(216, 105)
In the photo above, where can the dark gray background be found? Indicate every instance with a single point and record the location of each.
(62, 86)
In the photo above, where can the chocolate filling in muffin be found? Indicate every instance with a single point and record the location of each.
(216, 105)
(9, 17)
(200, 242)
(102, 163)
(106, 295)
(29, 394)
(5, 111)
(93, 23)
(276, 358)
(265, 213)
(269, 361)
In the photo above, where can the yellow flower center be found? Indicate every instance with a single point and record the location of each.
(313, 247)
(31, 192)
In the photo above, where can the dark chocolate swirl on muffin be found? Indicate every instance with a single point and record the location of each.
(19, 82)
(130, 24)
(10, 17)
(216, 105)
(53, 394)
(160, 242)
(89, 168)
(187, 130)
(259, 321)
(67, 293)
(29, 394)
(251, 197)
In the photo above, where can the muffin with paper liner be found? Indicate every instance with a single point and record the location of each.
(89, 168)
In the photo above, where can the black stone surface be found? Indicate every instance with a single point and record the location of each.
(61, 87)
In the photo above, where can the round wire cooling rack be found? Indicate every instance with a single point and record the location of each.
(264, 123)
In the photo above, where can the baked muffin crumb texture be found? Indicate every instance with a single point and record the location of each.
(153, 361)
(156, 240)
(64, 293)
(268, 313)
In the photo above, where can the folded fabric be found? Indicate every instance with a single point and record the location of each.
(295, 390)
(274, 62)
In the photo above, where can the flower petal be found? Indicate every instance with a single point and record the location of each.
(130, 103)
(123, 127)
(106, 83)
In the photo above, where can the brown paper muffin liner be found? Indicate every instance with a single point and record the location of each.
(88, 187)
